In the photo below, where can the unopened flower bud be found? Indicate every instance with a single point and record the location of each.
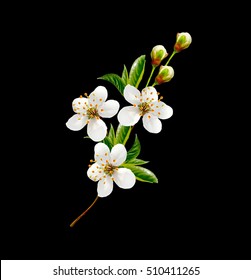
(165, 74)
(183, 41)
(158, 53)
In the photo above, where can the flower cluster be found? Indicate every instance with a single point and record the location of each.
(113, 162)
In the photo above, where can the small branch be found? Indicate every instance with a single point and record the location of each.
(81, 215)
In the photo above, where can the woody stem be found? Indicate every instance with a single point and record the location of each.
(81, 215)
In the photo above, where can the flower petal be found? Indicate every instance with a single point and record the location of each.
(105, 186)
(109, 109)
(79, 105)
(151, 123)
(129, 115)
(101, 154)
(96, 129)
(149, 94)
(98, 96)
(132, 94)
(118, 154)
(162, 111)
(124, 178)
(95, 172)
(76, 122)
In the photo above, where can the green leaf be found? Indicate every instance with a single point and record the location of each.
(137, 71)
(135, 149)
(116, 80)
(111, 134)
(122, 134)
(109, 140)
(136, 161)
(125, 75)
(142, 174)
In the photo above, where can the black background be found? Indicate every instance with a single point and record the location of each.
(199, 207)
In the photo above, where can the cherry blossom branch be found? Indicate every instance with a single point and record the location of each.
(113, 163)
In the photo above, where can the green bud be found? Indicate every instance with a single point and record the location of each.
(183, 41)
(158, 53)
(165, 74)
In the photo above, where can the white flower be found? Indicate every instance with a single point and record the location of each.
(90, 110)
(106, 169)
(146, 105)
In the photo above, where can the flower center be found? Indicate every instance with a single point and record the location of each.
(109, 169)
(144, 108)
(92, 113)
